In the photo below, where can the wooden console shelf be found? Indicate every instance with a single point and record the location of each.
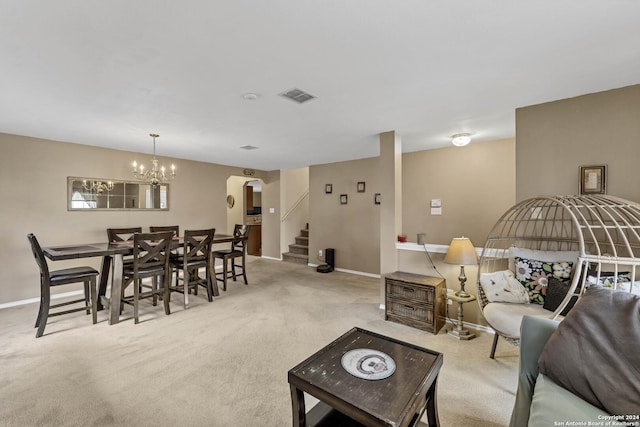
(415, 300)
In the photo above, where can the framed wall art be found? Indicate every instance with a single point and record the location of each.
(361, 186)
(593, 179)
(343, 199)
(376, 199)
(328, 188)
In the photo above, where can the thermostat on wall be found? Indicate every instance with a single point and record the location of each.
(436, 206)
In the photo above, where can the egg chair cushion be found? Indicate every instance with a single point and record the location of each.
(505, 317)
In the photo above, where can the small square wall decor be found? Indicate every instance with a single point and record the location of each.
(593, 179)
(343, 199)
(361, 185)
(328, 188)
(376, 199)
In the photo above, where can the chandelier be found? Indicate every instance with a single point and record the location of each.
(155, 175)
(97, 186)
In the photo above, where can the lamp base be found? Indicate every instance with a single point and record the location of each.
(462, 294)
(462, 334)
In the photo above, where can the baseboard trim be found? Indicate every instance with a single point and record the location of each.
(344, 270)
(273, 258)
(33, 300)
(469, 325)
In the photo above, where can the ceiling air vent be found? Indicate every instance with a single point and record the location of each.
(297, 95)
(249, 147)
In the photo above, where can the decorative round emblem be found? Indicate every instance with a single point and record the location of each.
(368, 364)
(230, 201)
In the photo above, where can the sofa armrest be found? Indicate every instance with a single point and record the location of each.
(534, 334)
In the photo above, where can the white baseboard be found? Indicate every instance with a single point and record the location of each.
(33, 300)
(469, 325)
(273, 258)
(344, 270)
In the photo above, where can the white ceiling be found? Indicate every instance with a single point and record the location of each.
(107, 73)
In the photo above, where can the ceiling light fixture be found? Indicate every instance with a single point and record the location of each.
(250, 96)
(461, 139)
(156, 175)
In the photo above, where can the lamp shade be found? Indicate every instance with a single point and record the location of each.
(461, 252)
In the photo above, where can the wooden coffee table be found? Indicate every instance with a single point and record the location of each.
(346, 400)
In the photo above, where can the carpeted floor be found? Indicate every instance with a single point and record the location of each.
(223, 363)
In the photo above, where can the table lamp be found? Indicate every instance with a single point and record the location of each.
(461, 252)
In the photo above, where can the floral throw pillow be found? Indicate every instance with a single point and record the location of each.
(534, 275)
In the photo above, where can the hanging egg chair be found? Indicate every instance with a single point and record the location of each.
(555, 247)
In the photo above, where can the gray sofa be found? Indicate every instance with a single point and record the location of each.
(540, 401)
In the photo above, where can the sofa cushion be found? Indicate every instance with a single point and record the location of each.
(552, 405)
(506, 317)
(534, 275)
(502, 286)
(595, 352)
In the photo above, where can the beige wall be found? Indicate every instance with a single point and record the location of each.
(476, 184)
(556, 138)
(235, 188)
(33, 187)
(271, 220)
(351, 229)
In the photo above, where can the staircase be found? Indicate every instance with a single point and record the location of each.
(299, 251)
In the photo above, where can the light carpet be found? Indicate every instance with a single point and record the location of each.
(223, 363)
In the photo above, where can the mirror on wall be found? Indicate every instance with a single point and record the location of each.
(105, 194)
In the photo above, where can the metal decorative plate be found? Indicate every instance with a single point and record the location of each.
(368, 364)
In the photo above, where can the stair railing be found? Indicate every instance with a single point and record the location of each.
(295, 205)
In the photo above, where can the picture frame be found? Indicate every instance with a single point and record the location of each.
(343, 199)
(593, 179)
(361, 186)
(376, 199)
(328, 188)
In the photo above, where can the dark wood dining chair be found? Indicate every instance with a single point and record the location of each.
(196, 255)
(122, 234)
(115, 235)
(238, 250)
(67, 276)
(150, 260)
(175, 229)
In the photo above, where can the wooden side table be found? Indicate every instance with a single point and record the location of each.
(415, 300)
(459, 332)
(399, 400)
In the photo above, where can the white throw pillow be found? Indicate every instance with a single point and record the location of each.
(502, 286)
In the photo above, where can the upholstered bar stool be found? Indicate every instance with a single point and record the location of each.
(116, 235)
(67, 276)
(196, 255)
(175, 229)
(150, 260)
(238, 250)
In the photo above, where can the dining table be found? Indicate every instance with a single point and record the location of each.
(114, 252)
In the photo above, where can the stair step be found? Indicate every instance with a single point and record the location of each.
(304, 233)
(299, 249)
(295, 258)
(301, 240)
